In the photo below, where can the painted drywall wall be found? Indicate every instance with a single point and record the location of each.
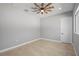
(17, 26)
(75, 35)
(51, 26)
(66, 28)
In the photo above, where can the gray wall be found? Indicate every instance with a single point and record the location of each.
(51, 26)
(76, 43)
(75, 35)
(66, 27)
(16, 26)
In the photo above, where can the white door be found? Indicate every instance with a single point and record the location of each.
(66, 30)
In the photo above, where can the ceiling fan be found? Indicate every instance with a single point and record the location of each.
(42, 8)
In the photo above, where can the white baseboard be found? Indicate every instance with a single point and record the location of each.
(55, 40)
(7, 49)
(51, 40)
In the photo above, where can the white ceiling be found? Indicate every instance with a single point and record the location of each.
(65, 7)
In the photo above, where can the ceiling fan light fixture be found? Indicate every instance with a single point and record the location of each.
(43, 8)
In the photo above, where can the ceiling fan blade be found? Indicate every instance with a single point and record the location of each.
(46, 12)
(42, 4)
(41, 12)
(36, 5)
(48, 5)
(35, 11)
(38, 12)
(49, 10)
(34, 8)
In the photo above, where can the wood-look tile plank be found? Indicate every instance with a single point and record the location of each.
(42, 48)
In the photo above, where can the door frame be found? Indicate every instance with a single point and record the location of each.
(76, 12)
